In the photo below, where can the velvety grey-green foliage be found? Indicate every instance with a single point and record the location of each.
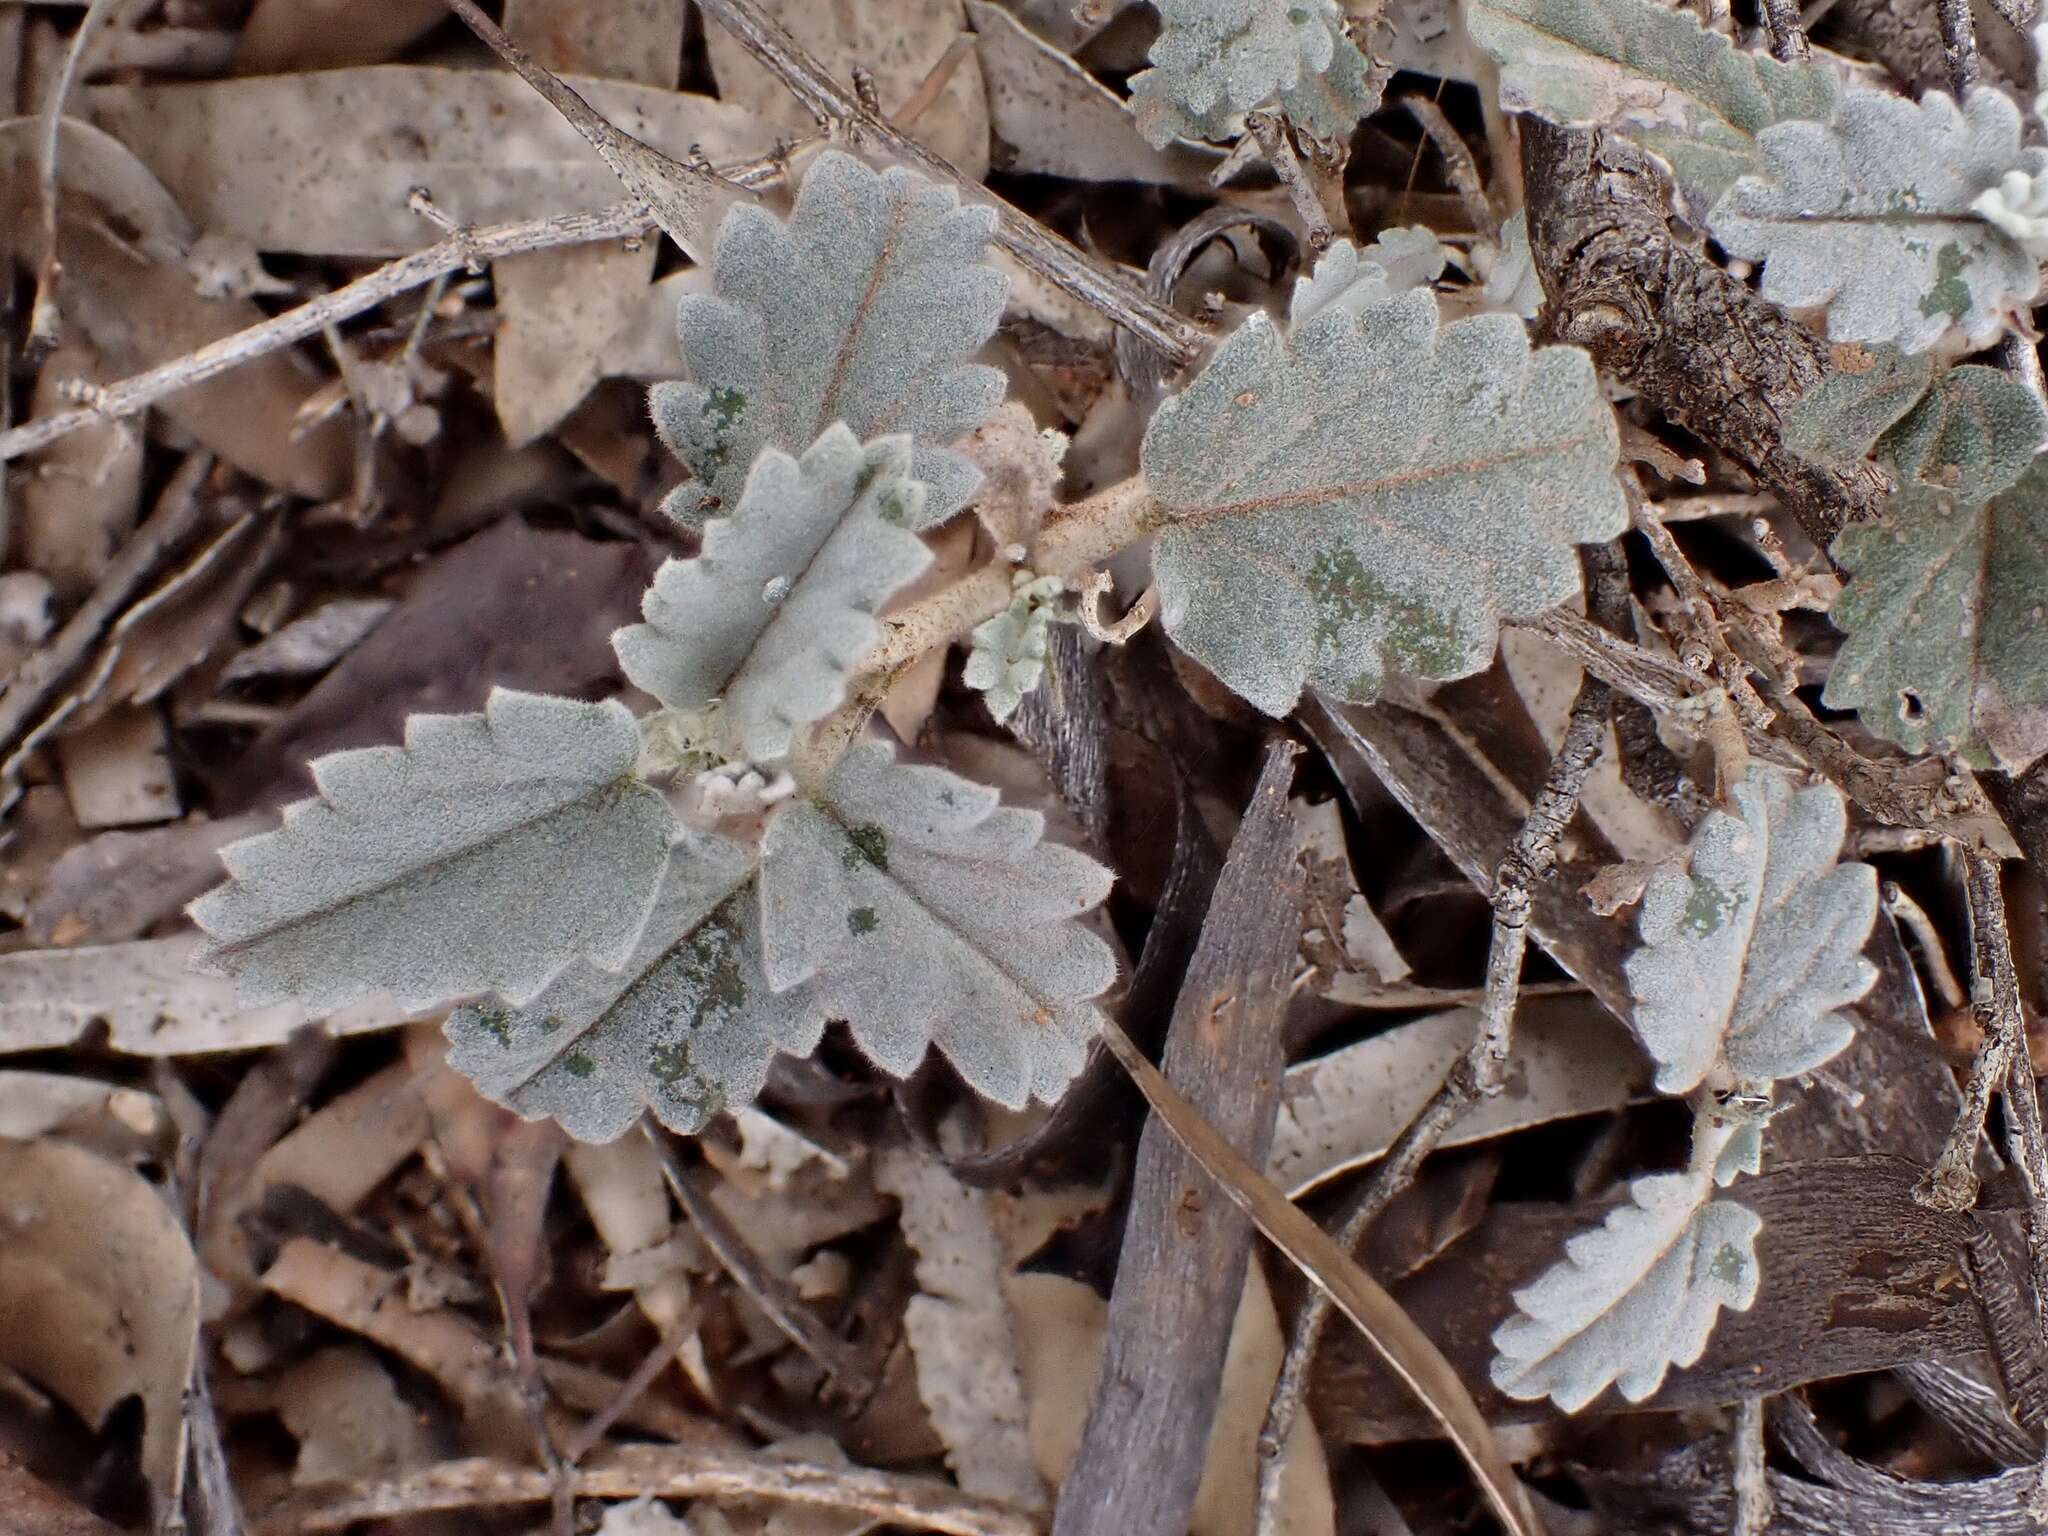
(1870, 215)
(1841, 418)
(487, 853)
(1752, 941)
(685, 1027)
(1215, 60)
(1946, 614)
(926, 913)
(1633, 1297)
(1360, 280)
(778, 609)
(1970, 430)
(1372, 494)
(1007, 658)
(1972, 435)
(1651, 71)
(862, 309)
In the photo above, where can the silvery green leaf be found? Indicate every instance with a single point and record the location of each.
(1944, 613)
(925, 913)
(1744, 1153)
(1633, 1297)
(1008, 656)
(1374, 493)
(487, 853)
(1512, 285)
(1652, 72)
(1753, 939)
(1973, 435)
(1215, 60)
(685, 1027)
(778, 609)
(1840, 419)
(861, 309)
(1360, 280)
(1871, 215)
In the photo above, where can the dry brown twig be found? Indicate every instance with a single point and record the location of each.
(1052, 257)
(1477, 1075)
(1275, 138)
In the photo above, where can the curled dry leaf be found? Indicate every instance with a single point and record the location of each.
(960, 1329)
(99, 1294)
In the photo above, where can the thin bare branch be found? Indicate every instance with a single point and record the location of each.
(1276, 142)
(1959, 45)
(1052, 257)
(1459, 165)
(1478, 1074)
(662, 1471)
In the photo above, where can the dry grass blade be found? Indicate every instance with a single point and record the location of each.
(1407, 1351)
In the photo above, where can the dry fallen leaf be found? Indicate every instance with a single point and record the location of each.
(558, 310)
(898, 42)
(99, 1294)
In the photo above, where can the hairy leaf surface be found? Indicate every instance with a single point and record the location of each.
(686, 1027)
(1752, 944)
(1870, 389)
(1944, 613)
(926, 913)
(862, 309)
(1633, 1297)
(487, 853)
(778, 609)
(1972, 435)
(1215, 60)
(1007, 659)
(1359, 280)
(1374, 493)
(1686, 94)
(1870, 215)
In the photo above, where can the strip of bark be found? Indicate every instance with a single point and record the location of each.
(1658, 317)
(1184, 1252)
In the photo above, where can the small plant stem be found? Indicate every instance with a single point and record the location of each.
(1788, 38)
(1459, 165)
(1052, 257)
(2001, 1064)
(1753, 1503)
(1276, 142)
(1932, 955)
(1478, 1074)
(768, 1290)
(1995, 1000)
(1699, 604)
(46, 316)
(1075, 538)
(1959, 45)
(135, 393)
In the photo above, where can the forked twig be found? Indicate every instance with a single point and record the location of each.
(1477, 1075)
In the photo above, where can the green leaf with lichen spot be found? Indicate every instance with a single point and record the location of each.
(1215, 60)
(1946, 618)
(862, 308)
(1374, 494)
(488, 852)
(1870, 215)
(1653, 74)
(687, 1026)
(1753, 939)
(777, 608)
(1972, 435)
(925, 913)
(1632, 1297)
